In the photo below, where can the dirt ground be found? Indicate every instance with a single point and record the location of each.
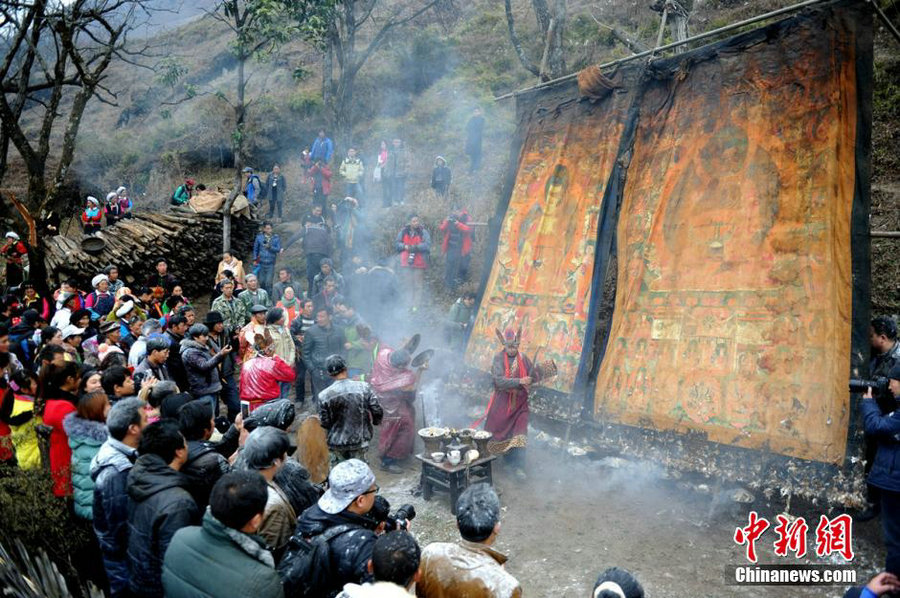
(571, 519)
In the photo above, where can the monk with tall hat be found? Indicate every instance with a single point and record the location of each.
(506, 418)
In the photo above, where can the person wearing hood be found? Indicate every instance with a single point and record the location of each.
(225, 556)
(201, 366)
(109, 471)
(353, 171)
(14, 253)
(92, 216)
(86, 431)
(160, 505)
(395, 565)
(183, 193)
(395, 384)
(347, 502)
(100, 300)
(440, 177)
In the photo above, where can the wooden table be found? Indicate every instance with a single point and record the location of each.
(453, 478)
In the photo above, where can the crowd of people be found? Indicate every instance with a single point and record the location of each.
(168, 433)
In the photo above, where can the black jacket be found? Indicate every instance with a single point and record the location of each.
(348, 409)
(350, 551)
(160, 506)
(319, 343)
(294, 480)
(174, 363)
(203, 469)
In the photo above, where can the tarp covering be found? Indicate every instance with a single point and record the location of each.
(211, 200)
(737, 180)
(541, 277)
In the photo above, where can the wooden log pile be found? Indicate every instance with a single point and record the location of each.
(190, 242)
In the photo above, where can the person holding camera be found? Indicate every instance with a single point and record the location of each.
(347, 502)
(347, 410)
(885, 429)
(414, 246)
(885, 355)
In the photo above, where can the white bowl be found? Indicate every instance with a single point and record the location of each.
(438, 457)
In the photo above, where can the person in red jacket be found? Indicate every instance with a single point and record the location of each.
(456, 247)
(320, 175)
(60, 385)
(262, 373)
(14, 253)
(92, 216)
(414, 246)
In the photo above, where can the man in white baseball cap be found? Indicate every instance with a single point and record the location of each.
(341, 511)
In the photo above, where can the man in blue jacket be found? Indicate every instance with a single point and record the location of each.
(109, 470)
(265, 251)
(885, 472)
(322, 148)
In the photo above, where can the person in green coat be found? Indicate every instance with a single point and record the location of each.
(224, 556)
(86, 430)
(183, 193)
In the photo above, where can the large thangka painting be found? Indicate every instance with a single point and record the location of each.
(733, 302)
(541, 277)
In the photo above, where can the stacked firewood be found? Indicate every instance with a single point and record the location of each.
(190, 242)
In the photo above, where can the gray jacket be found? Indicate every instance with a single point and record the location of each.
(201, 368)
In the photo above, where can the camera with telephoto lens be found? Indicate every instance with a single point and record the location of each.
(399, 520)
(878, 384)
(410, 258)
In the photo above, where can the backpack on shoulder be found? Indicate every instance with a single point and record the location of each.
(305, 569)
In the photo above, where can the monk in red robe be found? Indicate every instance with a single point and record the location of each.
(507, 413)
(395, 384)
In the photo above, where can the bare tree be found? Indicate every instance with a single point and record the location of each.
(351, 16)
(551, 21)
(55, 62)
(259, 28)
